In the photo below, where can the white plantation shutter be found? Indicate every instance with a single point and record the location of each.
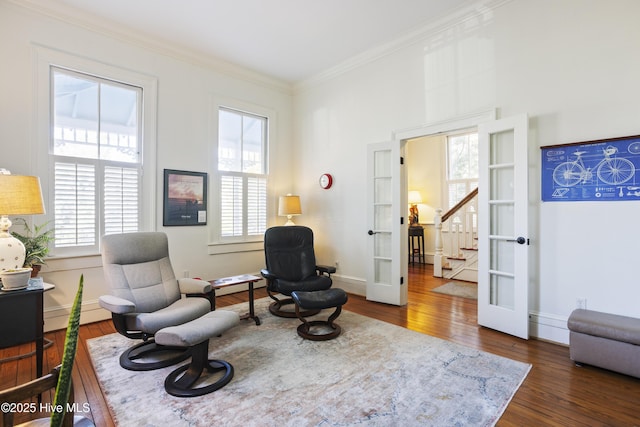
(121, 200)
(231, 206)
(256, 206)
(75, 204)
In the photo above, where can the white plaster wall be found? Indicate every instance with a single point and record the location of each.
(185, 136)
(569, 64)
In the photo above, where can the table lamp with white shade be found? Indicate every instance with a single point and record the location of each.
(19, 195)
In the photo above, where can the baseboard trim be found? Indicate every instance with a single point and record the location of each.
(352, 285)
(543, 326)
(548, 327)
(56, 318)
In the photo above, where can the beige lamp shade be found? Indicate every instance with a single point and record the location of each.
(289, 206)
(19, 195)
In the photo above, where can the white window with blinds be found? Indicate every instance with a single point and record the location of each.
(242, 171)
(462, 166)
(96, 158)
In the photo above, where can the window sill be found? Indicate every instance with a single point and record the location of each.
(67, 263)
(235, 247)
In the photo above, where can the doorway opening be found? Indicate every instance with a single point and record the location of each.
(426, 133)
(442, 170)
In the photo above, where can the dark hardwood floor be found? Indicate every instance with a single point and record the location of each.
(555, 393)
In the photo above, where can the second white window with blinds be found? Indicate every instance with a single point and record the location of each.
(242, 169)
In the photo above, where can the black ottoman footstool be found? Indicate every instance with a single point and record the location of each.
(319, 330)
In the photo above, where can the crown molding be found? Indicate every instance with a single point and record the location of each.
(463, 14)
(124, 34)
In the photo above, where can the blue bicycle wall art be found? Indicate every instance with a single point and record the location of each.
(602, 170)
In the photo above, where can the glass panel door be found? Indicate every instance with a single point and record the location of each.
(385, 281)
(502, 234)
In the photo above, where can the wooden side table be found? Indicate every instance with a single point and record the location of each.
(237, 280)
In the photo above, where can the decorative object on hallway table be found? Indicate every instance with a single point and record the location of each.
(601, 170)
(414, 199)
(185, 198)
(458, 289)
(374, 373)
(289, 206)
(19, 195)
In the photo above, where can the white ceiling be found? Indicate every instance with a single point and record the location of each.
(291, 40)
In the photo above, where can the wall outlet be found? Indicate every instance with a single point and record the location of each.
(337, 265)
(581, 303)
(185, 274)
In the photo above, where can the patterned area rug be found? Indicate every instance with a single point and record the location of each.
(374, 374)
(459, 289)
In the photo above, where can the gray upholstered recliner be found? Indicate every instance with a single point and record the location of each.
(146, 296)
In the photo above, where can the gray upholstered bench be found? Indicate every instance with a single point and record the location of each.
(605, 340)
(195, 335)
(319, 330)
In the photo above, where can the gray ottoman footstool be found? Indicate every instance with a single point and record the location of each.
(195, 335)
(319, 330)
(605, 340)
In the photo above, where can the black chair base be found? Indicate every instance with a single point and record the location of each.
(275, 308)
(183, 385)
(148, 356)
(305, 330)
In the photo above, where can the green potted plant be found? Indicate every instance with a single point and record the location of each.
(64, 387)
(36, 241)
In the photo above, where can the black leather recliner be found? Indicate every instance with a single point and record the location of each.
(291, 266)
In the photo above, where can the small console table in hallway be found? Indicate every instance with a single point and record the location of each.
(416, 244)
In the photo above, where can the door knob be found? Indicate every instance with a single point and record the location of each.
(371, 232)
(519, 240)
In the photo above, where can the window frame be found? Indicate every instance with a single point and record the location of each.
(220, 244)
(466, 181)
(43, 158)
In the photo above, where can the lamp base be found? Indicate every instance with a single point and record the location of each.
(12, 252)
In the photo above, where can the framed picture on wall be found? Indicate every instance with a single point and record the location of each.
(185, 198)
(601, 170)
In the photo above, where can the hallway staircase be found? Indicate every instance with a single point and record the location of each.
(456, 240)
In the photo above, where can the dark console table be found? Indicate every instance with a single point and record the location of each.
(22, 319)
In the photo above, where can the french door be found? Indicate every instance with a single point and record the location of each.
(503, 239)
(386, 223)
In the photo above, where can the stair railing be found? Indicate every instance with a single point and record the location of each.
(461, 225)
